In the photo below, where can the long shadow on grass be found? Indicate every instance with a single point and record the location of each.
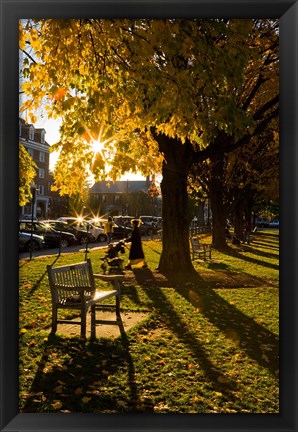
(169, 317)
(76, 374)
(234, 253)
(158, 252)
(262, 253)
(262, 244)
(38, 282)
(232, 279)
(252, 337)
(259, 343)
(267, 234)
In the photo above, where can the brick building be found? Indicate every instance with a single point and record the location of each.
(128, 197)
(33, 139)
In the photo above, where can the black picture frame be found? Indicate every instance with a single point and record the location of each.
(11, 11)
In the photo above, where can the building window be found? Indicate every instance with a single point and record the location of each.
(41, 190)
(20, 129)
(31, 152)
(116, 198)
(104, 198)
(31, 133)
(42, 136)
(42, 156)
(41, 173)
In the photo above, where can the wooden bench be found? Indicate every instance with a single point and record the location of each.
(198, 249)
(73, 287)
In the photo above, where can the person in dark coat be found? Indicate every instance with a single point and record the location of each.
(136, 254)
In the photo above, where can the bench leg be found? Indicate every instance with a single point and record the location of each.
(118, 307)
(54, 319)
(93, 327)
(83, 323)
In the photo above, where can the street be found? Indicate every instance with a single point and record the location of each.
(75, 248)
(69, 249)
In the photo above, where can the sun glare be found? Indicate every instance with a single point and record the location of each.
(97, 146)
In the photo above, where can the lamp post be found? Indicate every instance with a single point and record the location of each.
(87, 241)
(33, 200)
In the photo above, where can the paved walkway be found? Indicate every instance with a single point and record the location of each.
(129, 320)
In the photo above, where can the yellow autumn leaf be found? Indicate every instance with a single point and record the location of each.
(57, 405)
(86, 399)
(218, 394)
(58, 389)
(78, 391)
(23, 330)
(264, 357)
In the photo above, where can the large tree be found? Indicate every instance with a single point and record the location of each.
(159, 93)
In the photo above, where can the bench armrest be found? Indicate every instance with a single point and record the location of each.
(109, 278)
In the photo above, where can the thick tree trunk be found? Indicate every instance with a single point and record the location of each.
(175, 256)
(238, 226)
(219, 211)
(248, 209)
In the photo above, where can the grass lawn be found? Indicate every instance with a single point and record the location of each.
(209, 343)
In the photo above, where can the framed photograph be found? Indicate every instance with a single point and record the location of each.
(156, 418)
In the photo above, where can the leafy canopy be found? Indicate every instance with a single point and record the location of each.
(116, 80)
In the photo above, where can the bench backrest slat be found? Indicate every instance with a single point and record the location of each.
(69, 280)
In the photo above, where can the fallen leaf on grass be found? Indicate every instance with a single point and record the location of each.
(78, 391)
(58, 389)
(57, 405)
(86, 399)
(264, 357)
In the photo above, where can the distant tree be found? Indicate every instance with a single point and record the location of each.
(257, 98)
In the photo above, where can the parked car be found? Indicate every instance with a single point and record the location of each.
(122, 226)
(25, 242)
(52, 238)
(148, 219)
(121, 231)
(97, 232)
(261, 222)
(274, 223)
(123, 220)
(148, 229)
(153, 220)
(98, 222)
(28, 217)
(80, 232)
